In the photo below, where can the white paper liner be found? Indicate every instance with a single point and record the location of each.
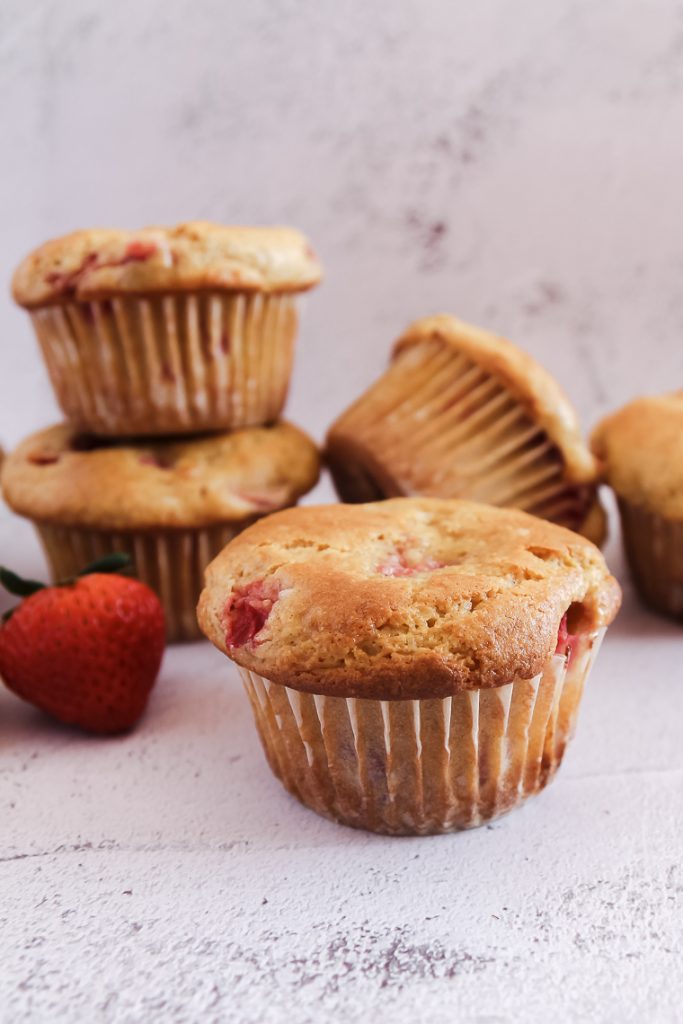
(170, 364)
(410, 767)
(438, 424)
(171, 562)
(654, 548)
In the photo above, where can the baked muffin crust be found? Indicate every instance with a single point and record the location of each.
(58, 476)
(100, 263)
(640, 448)
(405, 598)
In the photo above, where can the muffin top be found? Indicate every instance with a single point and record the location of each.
(536, 390)
(406, 598)
(58, 476)
(641, 451)
(103, 262)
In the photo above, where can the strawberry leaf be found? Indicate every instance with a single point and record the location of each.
(110, 563)
(16, 585)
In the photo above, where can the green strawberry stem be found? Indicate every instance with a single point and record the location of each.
(114, 562)
(16, 585)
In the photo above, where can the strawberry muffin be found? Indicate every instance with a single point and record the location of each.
(461, 413)
(168, 330)
(641, 451)
(172, 505)
(414, 665)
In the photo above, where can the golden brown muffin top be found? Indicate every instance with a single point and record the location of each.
(535, 388)
(58, 476)
(411, 597)
(102, 262)
(641, 451)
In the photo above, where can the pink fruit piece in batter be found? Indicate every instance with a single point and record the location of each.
(66, 281)
(150, 459)
(566, 642)
(135, 252)
(247, 611)
(397, 564)
(138, 251)
(262, 502)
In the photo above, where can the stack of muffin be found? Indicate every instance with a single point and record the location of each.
(170, 352)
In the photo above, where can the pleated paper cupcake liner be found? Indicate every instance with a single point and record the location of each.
(437, 424)
(171, 562)
(414, 767)
(654, 548)
(170, 364)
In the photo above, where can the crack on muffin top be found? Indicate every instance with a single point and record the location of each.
(43, 458)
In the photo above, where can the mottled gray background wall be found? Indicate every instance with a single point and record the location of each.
(516, 163)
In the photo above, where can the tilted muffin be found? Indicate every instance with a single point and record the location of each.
(641, 450)
(414, 665)
(172, 504)
(168, 330)
(461, 413)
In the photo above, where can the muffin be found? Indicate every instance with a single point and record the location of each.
(641, 451)
(168, 330)
(461, 413)
(414, 665)
(171, 504)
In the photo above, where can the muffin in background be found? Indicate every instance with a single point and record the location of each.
(640, 448)
(414, 665)
(461, 413)
(172, 504)
(168, 330)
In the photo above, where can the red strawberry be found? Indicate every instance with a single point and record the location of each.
(86, 651)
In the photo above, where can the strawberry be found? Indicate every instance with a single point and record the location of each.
(86, 651)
